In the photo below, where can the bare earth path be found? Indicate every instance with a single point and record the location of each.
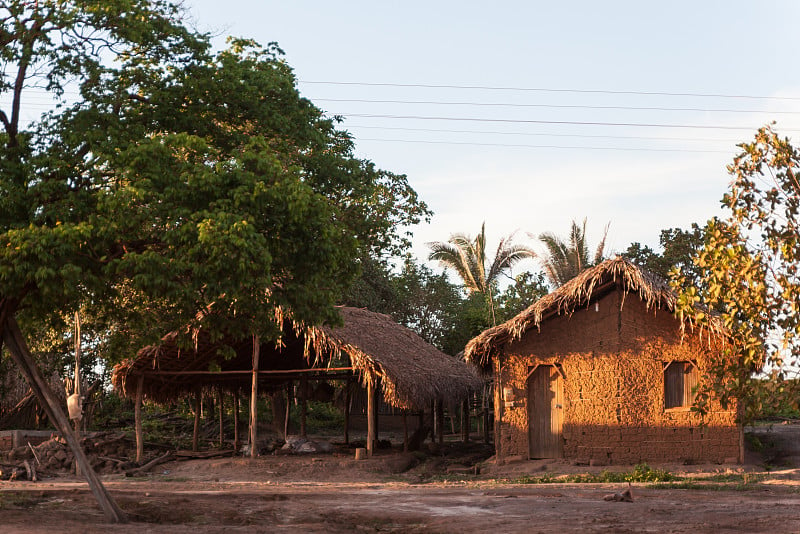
(292, 494)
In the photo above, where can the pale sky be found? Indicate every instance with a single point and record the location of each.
(509, 168)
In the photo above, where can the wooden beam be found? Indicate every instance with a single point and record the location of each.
(12, 336)
(322, 372)
(370, 416)
(137, 418)
(254, 399)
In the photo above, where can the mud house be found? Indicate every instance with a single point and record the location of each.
(599, 371)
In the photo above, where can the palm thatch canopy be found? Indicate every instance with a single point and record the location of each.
(411, 372)
(587, 287)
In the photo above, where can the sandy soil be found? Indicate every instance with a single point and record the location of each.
(395, 492)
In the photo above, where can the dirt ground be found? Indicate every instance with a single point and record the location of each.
(437, 492)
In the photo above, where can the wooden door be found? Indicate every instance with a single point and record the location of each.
(545, 412)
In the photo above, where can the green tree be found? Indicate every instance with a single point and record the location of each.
(566, 259)
(527, 288)
(468, 258)
(176, 179)
(678, 247)
(749, 274)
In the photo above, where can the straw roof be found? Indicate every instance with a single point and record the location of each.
(587, 287)
(412, 372)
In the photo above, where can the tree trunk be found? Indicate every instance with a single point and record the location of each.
(21, 355)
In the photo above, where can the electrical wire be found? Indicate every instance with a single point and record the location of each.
(550, 90)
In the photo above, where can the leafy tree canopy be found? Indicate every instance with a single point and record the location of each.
(527, 288)
(177, 178)
(678, 247)
(748, 269)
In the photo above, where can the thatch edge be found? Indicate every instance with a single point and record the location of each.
(654, 292)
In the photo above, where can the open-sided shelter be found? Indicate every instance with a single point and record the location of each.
(409, 372)
(601, 371)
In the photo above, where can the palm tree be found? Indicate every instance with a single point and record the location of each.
(565, 260)
(468, 258)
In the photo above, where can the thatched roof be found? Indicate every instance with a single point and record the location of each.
(587, 287)
(412, 372)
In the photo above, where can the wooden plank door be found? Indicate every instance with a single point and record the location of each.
(545, 412)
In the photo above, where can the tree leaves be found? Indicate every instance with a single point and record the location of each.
(748, 270)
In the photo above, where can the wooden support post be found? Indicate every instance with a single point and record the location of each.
(405, 432)
(486, 422)
(288, 410)
(377, 402)
(347, 412)
(440, 422)
(137, 418)
(433, 422)
(236, 443)
(254, 399)
(76, 386)
(196, 434)
(221, 418)
(498, 410)
(465, 420)
(303, 405)
(22, 357)
(370, 417)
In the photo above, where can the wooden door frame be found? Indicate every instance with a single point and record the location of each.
(560, 391)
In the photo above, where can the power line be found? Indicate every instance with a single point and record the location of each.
(550, 90)
(534, 121)
(506, 145)
(553, 106)
(542, 134)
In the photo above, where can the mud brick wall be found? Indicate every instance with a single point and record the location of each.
(613, 357)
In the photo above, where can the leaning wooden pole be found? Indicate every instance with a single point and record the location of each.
(254, 398)
(137, 419)
(12, 336)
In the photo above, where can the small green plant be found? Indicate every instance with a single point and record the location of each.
(640, 473)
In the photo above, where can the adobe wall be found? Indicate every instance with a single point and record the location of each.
(613, 364)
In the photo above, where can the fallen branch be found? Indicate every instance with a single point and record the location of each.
(149, 465)
(191, 455)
